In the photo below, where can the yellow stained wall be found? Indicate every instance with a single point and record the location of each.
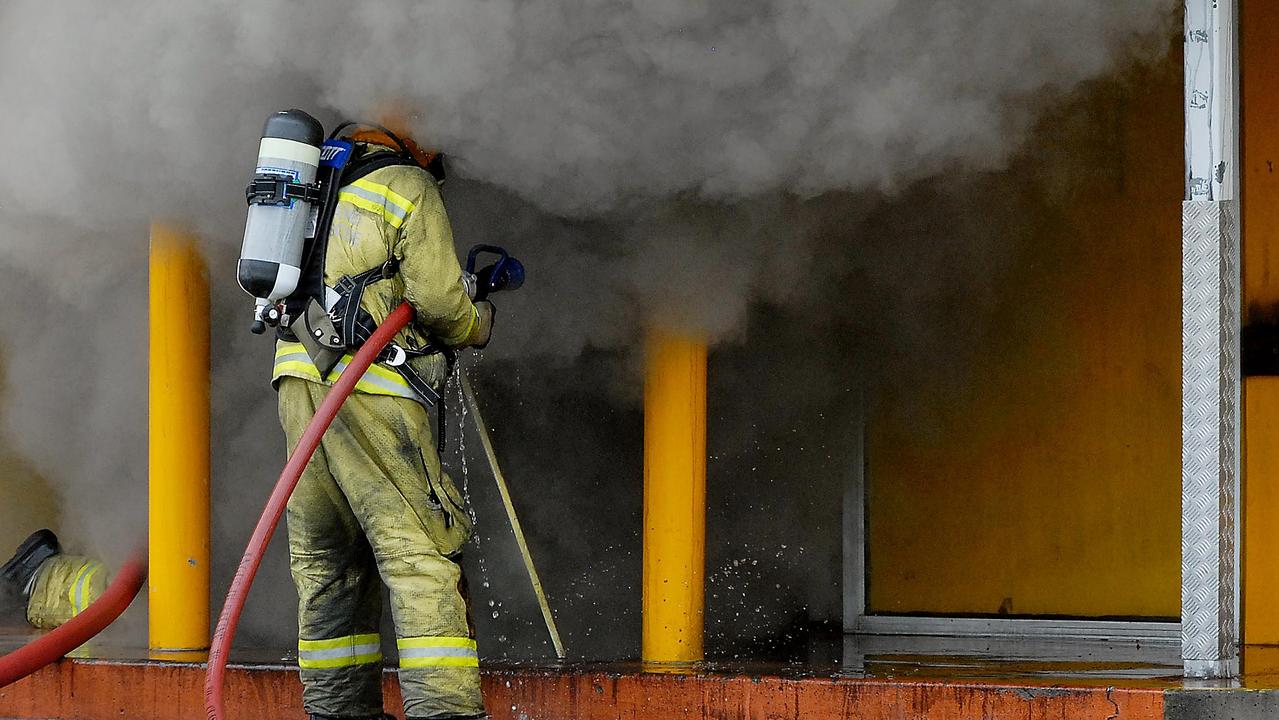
(1260, 151)
(29, 502)
(1049, 484)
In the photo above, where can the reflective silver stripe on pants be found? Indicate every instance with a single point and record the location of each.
(82, 583)
(351, 651)
(438, 652)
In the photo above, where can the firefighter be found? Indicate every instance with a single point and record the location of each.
(52, 585)
(374, 500)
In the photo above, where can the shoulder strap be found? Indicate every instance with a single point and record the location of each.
(335, 156)
(339, 166)
(370, 162)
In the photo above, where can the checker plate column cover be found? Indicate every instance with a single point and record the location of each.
(1210, 436)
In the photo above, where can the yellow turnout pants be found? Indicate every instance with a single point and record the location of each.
(375, 501)
(64, 586)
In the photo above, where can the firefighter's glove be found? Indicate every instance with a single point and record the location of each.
(483, 330)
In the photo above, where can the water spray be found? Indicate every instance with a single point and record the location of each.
(505, 492)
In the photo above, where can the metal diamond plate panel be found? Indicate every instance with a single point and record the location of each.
(1210, 434)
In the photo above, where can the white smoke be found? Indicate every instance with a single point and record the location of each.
(636, 154)
(133, 108)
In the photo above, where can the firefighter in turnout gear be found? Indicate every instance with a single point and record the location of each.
(52, 586)
(374, 501)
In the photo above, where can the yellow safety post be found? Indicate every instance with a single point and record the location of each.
(674, 497)
(179, 443)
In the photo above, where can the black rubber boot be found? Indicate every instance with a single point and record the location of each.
(18, 571)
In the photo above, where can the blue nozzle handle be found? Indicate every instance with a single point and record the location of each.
(506, 273)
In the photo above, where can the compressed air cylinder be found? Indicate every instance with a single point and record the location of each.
(275, 234)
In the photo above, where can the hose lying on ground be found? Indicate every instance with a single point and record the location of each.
(51, 646)
(274, 510)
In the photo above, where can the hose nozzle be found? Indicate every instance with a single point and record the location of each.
(506, 273)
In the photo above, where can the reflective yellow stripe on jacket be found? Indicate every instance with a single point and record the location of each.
(380, 199)
(428, 652)
(345, 651)
(462, 336)
(291, 360)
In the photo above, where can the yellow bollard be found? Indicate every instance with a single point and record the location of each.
(674, 497)
(179, 443)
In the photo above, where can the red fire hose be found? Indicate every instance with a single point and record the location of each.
(298, 460)
(78, 630)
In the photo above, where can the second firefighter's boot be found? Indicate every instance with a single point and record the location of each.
(17, 572)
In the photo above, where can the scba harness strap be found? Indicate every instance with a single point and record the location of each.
(281, 190)
(356, 326)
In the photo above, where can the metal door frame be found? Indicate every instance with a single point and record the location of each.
(1211, 386)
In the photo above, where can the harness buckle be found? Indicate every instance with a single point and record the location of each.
(398, 355)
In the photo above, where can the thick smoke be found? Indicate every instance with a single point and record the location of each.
(605, 110)
(685, 162)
